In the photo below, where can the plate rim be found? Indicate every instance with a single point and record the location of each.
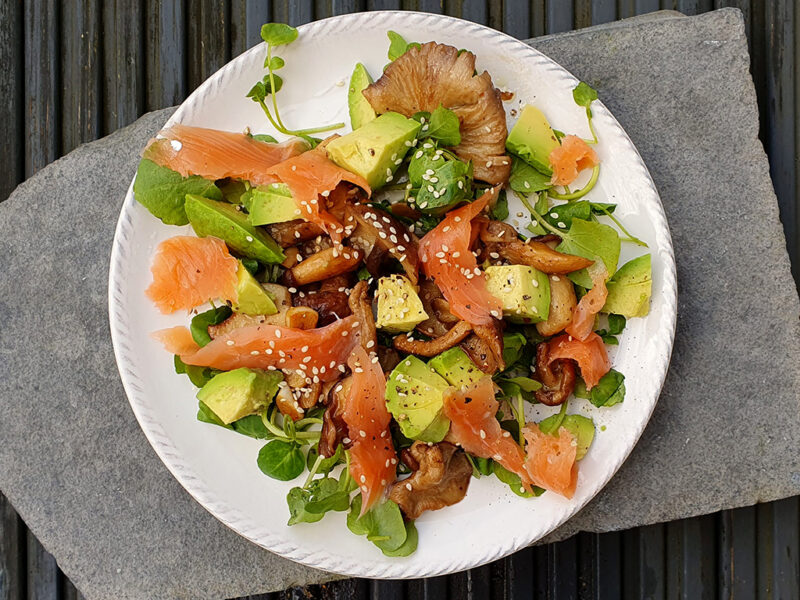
(280, 544)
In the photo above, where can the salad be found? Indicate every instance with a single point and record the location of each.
(359, 303)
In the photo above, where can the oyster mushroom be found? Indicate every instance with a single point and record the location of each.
(557, 377)
(436, 74)
(440, 479)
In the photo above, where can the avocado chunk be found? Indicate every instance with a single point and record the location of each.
(361, 110)
(271, 203)
(582, 428)
(523, 291)
(253, 299)
(230, 224)
(415, 397)
(376, 149)
(399, 306)
(630, 288)
(532, 139)
(456, 367)
(235, 394)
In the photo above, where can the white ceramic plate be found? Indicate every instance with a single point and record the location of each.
(219, 468)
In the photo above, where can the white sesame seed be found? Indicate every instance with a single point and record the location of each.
(230, 342)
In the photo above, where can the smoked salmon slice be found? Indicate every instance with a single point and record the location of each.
(315, 352)
(311, 177)
(590, 354)
(475, 428)
(592, 302)
(189, 271)
(373, 460)
(570, 158)
(214, 154)
(447, 259)
(551, 459)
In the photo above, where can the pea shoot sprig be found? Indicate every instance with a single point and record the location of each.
(275, 35)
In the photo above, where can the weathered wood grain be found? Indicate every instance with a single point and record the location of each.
(11, 96)
(165, 51)
(209, 39)
(12, 553)
(123, 63)
(43, 574)
(247, 17)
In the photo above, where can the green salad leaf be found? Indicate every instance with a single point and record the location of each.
(513, 481)
(610, 390)
(442, 125)
(282, 460)
(163, 191)
(499, 212)
(206, 415)
(199, 376)
(561, 216)
(524, 179)
(382, 524)
(398, 45)
(584, 95)
(201, 322)
(593, 241)
(278, 34)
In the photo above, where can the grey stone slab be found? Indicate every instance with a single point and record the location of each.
(77, 467)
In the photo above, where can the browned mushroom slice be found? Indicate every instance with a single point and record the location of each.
(435, 346)
(492, 336)
(388, 358)
(496, 231)
(330, 305)
(361, 307)
(301, 317)
(557, 377)
(327, 263)
(480, 353)
(435, 74)
(562, 303)
(294, 232)
(287, 403)
(539, 256)
(334, 429)
(378, 234)
(283, 302)
(441, 479)
(305, 391)
(433, 326)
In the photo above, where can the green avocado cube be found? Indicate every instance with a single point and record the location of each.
(376, 149)
(456, 367)
(235, 394)
(361, 111)
(630, 288)
(415, 397)
(399, 307)
(231, 225)
(270, 204)
(252, 298)
(523, 291)
(532, 139)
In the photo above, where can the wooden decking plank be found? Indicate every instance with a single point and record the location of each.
(165, 49)
(387, 590)
(603, 11)
(737, 553)
(294, 12)
(12, 553)
(11, 95)
(517, 18)
(560, 16)
(42, 571)
(209, 39)
(247, 17)
(123, 63)
(644, 563)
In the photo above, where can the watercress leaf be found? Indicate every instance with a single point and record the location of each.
(206, 415)
(559, 134)
(584, 95)
(264, 137)
(163, 191)
(513, 481)
(297, 499)
(513, 345)
(278, 34)
(508, 389)
(276, 63)
(180, 366)
(551, 424)
(423, 160)
(325, 496)
(258, 92)
(268, 84)
(542, 204)
(199, 376)
(312, 141)
(281, 460)
(580, 391)
(409, 546)
(422, 116)
(611, 340)
(252, 426)
(499, 212)
(511, 426)
(382, 524)
(610, 390)
(443, 126)
(602, 208)
(561, 216)
(397, 45)
(326, 464)
(480, 466)
(526, 384)
(200, 323)
(594, 241)
(524, 179)
(616, 323)
(251, 264)
(363, 274)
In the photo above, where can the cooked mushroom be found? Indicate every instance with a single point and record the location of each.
(301, 317)
(334, 429)
(562, 303)
(435, 74)
(492, 336)
(294, 232)
(378, 234)
(433, 326)
(441, 479)
(361, 307)
(480, 353)
(435, 346)
(557, 377)
(326, 263)
(305, 393)
(388, 358)
(286, 402)
(283, 302)
(537, 255)
(330, 305)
